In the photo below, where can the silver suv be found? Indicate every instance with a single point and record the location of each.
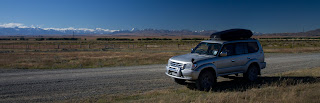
(213, 58)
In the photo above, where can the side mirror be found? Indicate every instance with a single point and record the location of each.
(223, 54)
(191, 49)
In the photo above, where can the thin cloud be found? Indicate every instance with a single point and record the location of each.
(13, 25)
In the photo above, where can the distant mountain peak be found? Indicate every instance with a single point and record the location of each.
(20, 29)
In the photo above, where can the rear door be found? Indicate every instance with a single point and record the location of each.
(241, 51)
(245, 51)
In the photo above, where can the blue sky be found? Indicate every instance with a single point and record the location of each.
(265, 16)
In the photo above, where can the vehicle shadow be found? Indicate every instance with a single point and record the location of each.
(239, 84)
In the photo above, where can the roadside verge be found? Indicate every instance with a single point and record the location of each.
(293, 86)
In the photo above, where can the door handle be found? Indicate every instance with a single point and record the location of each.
(249, 58)
(232, 61)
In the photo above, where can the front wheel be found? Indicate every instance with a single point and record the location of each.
(251, 74)
(205, 81)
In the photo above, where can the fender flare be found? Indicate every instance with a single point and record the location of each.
(251, 62)
(208, 65)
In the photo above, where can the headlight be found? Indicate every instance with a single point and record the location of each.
(190, 66)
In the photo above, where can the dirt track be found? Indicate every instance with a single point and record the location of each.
(53, 85)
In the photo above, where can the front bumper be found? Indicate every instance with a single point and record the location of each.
(185, 74)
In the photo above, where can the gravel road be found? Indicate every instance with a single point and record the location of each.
(35, 85)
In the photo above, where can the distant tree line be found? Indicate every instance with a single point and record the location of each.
(292, 38)
(154, 39)
(23, 39)
(14, 39)
(40, 39)
(192, 39)
(115, 39)
(7, 38)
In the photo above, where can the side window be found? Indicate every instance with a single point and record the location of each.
(253, 47)
(241, 48)
(213, 49)
(229, 48)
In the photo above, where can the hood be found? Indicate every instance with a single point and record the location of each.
(188, 57)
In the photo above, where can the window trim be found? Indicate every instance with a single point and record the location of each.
(234, 45)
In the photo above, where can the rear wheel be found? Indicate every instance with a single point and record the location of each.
(251, 74)
(205, 81)
(179, 81)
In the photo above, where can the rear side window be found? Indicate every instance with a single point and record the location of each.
(253, 47)
(241, 48)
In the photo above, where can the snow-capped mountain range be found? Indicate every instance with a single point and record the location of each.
(20, 29)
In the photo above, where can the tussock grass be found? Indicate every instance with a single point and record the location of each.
(292, 50)
(82, 59)
(290, 45)
(300, 86)
(94, 54)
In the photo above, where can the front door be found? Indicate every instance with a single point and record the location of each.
(228, 63)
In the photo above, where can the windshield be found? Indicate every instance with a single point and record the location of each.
(207, 48)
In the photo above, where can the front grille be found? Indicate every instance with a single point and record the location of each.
(176, 64)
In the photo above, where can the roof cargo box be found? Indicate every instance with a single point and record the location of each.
(232, 34)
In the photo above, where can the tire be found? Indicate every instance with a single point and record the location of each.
(179, 81)
(252, 74)
(206, 81)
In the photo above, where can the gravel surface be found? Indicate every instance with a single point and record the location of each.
(18, 85)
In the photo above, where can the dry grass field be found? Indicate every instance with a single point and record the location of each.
(60, 54)
(300, 86)
(81, 59)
